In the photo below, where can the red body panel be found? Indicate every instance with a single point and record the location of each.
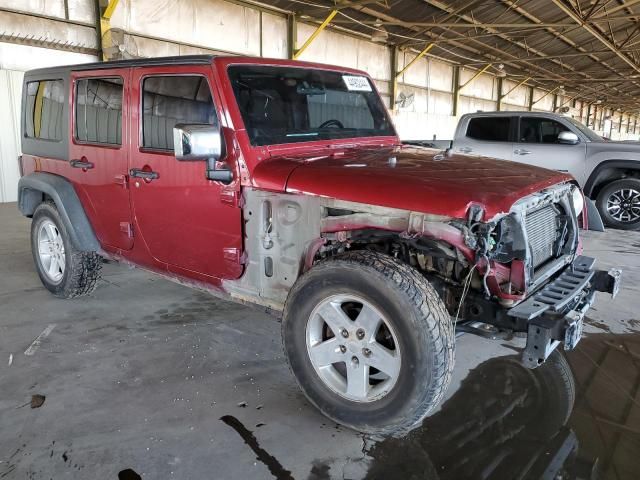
(189, 223)
(105, 185)
(418, 179)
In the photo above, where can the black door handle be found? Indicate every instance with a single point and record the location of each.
(139, 173)
(81, 164)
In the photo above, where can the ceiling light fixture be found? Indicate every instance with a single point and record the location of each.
(379, 34)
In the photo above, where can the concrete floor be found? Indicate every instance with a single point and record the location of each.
(149, 378)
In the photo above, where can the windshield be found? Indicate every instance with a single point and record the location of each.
(290, 104)
(586, 131)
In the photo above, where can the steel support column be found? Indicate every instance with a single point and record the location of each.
(292, 34)
(394, 77)
(456, 89)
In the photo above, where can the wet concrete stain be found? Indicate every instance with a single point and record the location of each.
(128, 474)
(496, 425)
(37, 400)
(274, 466)
(599, 325)
(319, 471)
(509, 422)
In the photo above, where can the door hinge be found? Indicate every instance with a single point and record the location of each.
(127, 229)
(234, 255)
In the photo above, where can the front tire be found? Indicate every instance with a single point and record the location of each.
(619, 204)
(369, 342)
(63, 269)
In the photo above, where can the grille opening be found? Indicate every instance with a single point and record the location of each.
(542, 232)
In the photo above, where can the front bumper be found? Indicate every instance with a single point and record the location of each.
(555, 313)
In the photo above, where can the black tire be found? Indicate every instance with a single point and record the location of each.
(419, 318)
(558, 387)
(606, 192)
(82, 269)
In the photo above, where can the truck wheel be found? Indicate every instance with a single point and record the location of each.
(369, 341)
(66, 271)
(619, 204)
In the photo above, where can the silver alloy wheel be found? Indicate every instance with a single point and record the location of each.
(353, 348)
(624, 205)
(51, 251)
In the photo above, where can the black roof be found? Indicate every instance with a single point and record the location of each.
(137, 62)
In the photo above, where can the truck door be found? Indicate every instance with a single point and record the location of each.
(99, 152)
(538, 145)
(192, 224)
(485, 135)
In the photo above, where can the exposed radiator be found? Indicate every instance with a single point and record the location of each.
(542, 230)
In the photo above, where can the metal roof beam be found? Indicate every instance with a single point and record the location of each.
(596, 34)
(623, 5)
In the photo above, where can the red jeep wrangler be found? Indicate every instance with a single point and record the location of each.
(284, 184)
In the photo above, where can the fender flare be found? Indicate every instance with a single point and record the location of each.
(30, 194)
(602, 167)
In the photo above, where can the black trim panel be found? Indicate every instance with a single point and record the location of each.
(30, 190)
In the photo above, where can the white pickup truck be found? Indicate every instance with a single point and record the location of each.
(608, 172)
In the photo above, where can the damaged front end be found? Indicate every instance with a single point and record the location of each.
(531, 275)
(521, 271)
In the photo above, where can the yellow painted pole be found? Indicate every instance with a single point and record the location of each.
(317, 32)
(545, 95)
(109, 10)
(478, 73)
(415, 59)
(518, 85)
(105, 27)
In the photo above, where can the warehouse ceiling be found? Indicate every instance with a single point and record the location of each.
(591, 47)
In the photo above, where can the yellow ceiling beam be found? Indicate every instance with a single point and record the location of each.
(313, 36)
(415, 59)
(111, 6)
(106, 42)
(518, 85)
(546, 95)
(478, 73)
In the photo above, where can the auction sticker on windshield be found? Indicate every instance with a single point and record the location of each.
(356, 84)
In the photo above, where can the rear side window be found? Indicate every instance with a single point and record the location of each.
(44, 110)
(169, 100)
(540, 130)
(490, 129)
(99, 110)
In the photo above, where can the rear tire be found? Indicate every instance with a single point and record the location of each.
(63, 269)
(619, 204)
(386, 308)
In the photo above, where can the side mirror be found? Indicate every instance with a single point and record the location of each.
(201, 142)
(568, 138)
